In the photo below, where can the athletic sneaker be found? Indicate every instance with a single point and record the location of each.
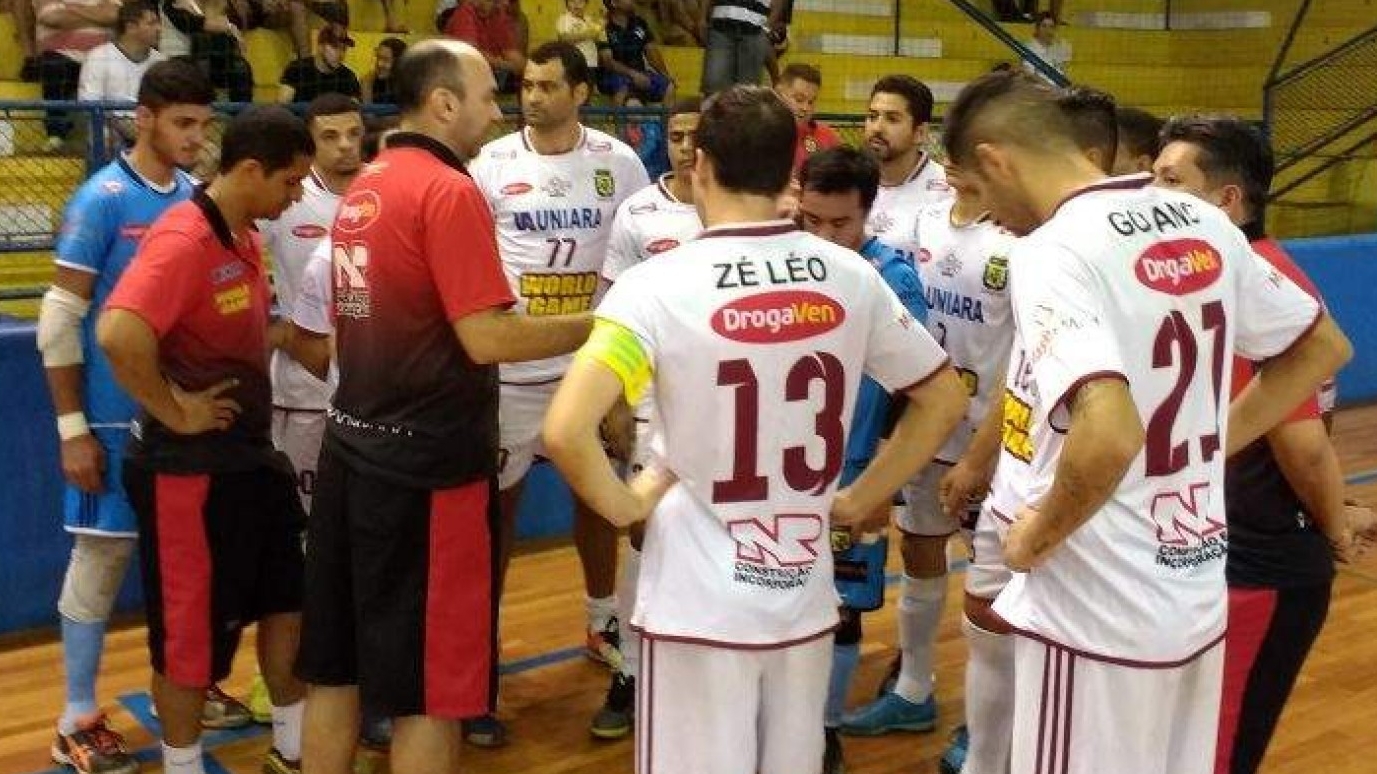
(890, 712)
(276, 764)
(618, 713)
(832, 762)
(93, 748)
(224, 711)
(954, 758)
(603, 646)
(260, 703)
(486, 731)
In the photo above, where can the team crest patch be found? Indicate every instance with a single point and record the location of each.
(604, 185)
(997, 272)
(810, 145)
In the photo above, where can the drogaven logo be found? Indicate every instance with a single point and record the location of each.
(784, 315)
(661, 246)
(309, 231)
(358, 211)
(516, 189)
(1179, 267)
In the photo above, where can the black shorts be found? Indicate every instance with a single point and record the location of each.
(399, 593)
(220, 551)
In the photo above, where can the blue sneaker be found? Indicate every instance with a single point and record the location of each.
(954, 758)
(890, 712)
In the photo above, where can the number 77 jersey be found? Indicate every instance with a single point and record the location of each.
(1156, 288)
(756, 337)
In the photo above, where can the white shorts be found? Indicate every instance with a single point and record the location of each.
(520, 413)
(987, 575)
(922, 513)
(298, 433)
(702, 709)
(1078, 715)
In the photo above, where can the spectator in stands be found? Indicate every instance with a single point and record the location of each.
(632, 65)
(1049, 48)
(779, 39)
(1139, 141)
(737, 41)
(213, 40)
(1015, 10)
(681, 22)
(112, 71)
(377, 85)
(582, 29)
(799, 85)
(22, 11)
(487, 26)
(291, 15)
(65, 32)
(309, 77)
(521, 26)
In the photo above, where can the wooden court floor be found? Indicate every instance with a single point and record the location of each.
(550, 691)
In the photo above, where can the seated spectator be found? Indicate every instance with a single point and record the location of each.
(1051, 49)
(487, 26)
(213, 40)
(681, 22)
(65, 32)
(309, 77)
(112, 71)
(799, 85)
(291, 15)
(377, 85)
(582, 29)
(632, 65)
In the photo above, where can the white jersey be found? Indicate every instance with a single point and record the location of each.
(965, 273)
(314, 307)
(553, 215)
(290, 239)
(1159, 289)
(758, 335)
(650, 221)
(894, 216)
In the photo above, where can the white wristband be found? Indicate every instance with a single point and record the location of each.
(72, 425)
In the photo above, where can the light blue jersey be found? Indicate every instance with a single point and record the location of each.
(101, 230)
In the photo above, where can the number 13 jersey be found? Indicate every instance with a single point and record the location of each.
(757, 336)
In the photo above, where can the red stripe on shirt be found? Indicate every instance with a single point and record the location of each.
(458, 624)
(184, 569)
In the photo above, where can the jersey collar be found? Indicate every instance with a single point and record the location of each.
(526, 143)
(213, 215)
(763, 228)
(923, 160)
(123, 160)
(1121, 183)
(662, 183)
(429, 144)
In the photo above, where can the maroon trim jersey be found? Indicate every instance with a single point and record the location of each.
(413, 251)
(204, 292)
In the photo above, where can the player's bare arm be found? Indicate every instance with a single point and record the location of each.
(132, 347)
(1280, 384)
(1306, 457)
(935, 408)
(312, 350)
(969, 479)
(60, 320)
(587, 393)
(1105, 435)
(503, 336)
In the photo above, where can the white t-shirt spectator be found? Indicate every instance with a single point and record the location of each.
(1057, 54)
(109, 74)
(569, 26)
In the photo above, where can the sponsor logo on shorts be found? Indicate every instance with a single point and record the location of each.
(516, 189)
(777, 316)
(1179, 266)
(309, 231)
(358, 211)
(661, 246)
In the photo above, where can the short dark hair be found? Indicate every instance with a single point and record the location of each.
(576, 69)
(690, 104)
(1093, 124)
(130, 13)
(1231, 150)
(174, 82)
(1009, 106)
(424, 68)
(839, 170)
(801, 71)
(272, 135)
(396, 45)
(331, 103)
(1139, 131)
(749, 135)
(915, 93)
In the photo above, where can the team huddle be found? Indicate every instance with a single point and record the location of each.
(741, 363)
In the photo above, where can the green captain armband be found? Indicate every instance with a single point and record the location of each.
(616, 347)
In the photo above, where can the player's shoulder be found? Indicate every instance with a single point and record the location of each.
(109, 183)
(597, 143)
(646, 200)
(505, 148)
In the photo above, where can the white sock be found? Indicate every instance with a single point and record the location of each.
(920, 612)
(626, 594)
(287, 729)
(989, 700)
(183, 760)
(601, 611)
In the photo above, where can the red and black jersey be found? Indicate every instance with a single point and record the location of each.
(413, 251)
(204, 292)
(1273, 542)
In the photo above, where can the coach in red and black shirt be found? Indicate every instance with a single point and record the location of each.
(187, 334)
(400, 610)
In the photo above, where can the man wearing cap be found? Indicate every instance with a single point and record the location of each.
(309, 77)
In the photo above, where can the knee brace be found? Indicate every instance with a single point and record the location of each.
(94, 575)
